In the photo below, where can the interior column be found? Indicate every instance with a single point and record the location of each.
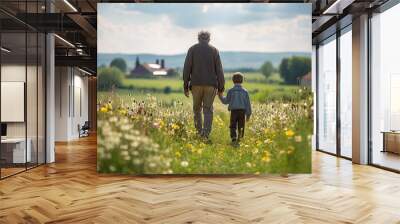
(360, 90)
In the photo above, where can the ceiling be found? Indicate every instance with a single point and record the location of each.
(75, 22)
(332, 15)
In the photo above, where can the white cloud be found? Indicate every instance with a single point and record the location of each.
(143, 33)
(205, 8)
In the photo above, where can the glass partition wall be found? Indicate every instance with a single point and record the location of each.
(327, 96)
(345, 91)
(334, 90)
(385, 89)
(334, 94)
(13, 85)
(22, 101)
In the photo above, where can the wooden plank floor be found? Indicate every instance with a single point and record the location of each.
(70, 191)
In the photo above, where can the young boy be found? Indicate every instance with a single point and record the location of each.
(239, 105)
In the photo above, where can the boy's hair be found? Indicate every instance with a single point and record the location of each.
(237, 77)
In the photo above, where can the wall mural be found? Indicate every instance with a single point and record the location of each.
(215, 88)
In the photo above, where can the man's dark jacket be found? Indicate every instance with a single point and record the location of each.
(203, 67)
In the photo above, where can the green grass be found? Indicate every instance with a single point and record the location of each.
(159, 83)
(266, 148)
(176, 85)
(248, 77)
(146, 127)
(128, 95)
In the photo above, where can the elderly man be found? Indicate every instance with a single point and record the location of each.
(204, 76)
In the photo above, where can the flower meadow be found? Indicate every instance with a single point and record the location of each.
(148, 134)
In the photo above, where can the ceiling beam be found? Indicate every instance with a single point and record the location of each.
(77, 61)
(49, 22)
(84, 24)
(337, 7)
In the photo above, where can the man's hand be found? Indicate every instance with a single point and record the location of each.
(187, 93)
(247, 118)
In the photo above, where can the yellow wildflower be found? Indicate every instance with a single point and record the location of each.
(266, 159)
(289, 133)
(123, 112)
(175, 126)
(104, 109)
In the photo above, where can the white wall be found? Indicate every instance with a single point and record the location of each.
(16, 73)
(62, 82)
(11, 73)
(80, 110)
(71, 94)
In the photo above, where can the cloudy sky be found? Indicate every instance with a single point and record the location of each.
(172, 28)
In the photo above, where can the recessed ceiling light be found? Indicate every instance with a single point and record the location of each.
(64, 40)
(333, 6)
(5, 50)
(70, 5)
(84, 71)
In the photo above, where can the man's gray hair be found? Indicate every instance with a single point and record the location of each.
(204, 36)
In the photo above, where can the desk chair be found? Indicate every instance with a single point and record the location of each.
(84, 130)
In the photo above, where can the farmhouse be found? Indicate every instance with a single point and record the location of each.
(147, 70)
(305, 80)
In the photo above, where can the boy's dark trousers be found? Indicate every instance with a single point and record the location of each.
(238, 121)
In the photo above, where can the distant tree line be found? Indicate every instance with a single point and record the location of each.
(112, 76)
(290, 69)
(120, 64)
(109, 78)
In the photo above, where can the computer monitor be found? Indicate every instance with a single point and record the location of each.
(3, 129)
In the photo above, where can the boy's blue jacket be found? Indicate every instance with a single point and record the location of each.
(237, 98)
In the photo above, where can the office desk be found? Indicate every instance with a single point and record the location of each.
(391, 141)
(13, 150)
